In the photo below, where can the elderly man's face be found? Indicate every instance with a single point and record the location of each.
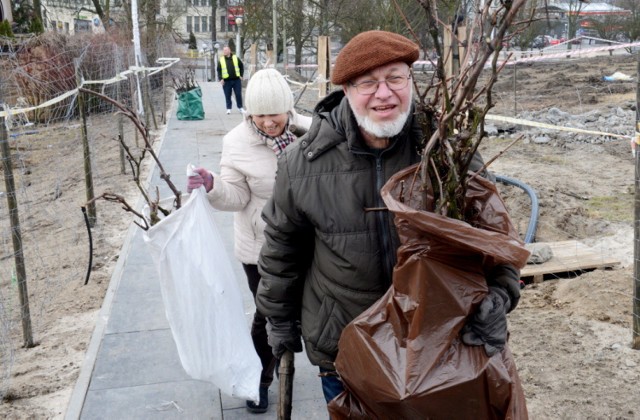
(226, 51)
(382, 113)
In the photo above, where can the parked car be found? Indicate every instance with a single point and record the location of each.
(540, 41)
(556, 41)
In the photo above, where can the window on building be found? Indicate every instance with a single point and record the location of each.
(189, 25)
(196, 24)
(205, 19)
(81, 25)
(66, 27)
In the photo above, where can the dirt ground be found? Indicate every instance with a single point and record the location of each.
(570, 335)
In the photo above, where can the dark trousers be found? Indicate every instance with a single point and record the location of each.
(234, 85)
(259, 328)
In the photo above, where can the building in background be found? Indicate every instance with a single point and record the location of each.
(73, 16)
(197, 18)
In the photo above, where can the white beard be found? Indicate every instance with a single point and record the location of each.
(383, 130)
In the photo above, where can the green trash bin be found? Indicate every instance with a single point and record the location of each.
(190, 105)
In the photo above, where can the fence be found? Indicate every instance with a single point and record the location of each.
(62, 149)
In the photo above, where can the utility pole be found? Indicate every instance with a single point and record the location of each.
(214, 31)
(275, 34)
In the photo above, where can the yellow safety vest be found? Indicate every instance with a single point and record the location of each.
(223, 66)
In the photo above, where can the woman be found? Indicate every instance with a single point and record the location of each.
(247, 173)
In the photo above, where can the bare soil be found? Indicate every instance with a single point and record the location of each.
(571, 335)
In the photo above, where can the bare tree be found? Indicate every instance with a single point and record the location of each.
(631, 23)
(452, 106)
(573, 19)
(609, 26)
(156, 211)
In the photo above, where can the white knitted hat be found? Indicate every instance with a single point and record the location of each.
(268, 93)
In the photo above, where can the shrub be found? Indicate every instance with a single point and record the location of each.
(5, 29)
(36, 26)
(193, 44)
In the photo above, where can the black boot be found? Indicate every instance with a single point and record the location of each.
(264, 401)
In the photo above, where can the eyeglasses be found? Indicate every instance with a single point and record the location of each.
(367, 87)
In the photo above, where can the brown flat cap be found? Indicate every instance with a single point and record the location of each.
(369, 50)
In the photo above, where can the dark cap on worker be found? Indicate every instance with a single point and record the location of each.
(369, 50)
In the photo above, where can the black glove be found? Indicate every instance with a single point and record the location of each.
(282, 336)
(488, 326)
(507, 277)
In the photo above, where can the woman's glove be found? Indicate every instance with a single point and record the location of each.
(488, 326)
(201, 177)
(282, 336)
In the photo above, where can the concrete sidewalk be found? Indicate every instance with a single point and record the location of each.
(131, 369)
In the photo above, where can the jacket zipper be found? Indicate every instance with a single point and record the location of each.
(383, 224)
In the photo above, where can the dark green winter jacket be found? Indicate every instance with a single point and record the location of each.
(330, 247)
(329, 250)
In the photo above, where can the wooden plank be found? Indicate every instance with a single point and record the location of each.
(568, 256)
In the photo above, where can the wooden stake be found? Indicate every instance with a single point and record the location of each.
(88, 172)
(324, 65)
(16, 236)
(636, 223)
(286, 372)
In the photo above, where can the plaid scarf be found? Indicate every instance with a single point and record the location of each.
(278, 144)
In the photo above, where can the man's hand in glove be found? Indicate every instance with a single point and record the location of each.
(488, 326)
(282, 336)
(506, 277)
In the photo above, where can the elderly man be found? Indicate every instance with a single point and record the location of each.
(327, 255)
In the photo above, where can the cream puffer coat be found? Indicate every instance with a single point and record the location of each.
(245, 183)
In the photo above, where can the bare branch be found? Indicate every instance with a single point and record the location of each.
(452, 114)
(135, 162)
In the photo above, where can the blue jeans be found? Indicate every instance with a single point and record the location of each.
(331, 385)
(234, 85)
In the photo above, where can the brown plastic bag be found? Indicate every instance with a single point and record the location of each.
(403, 358)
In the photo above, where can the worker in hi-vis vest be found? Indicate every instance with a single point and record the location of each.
(230, 71)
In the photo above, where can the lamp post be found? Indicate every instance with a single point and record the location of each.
(214, 67)
(238, 46)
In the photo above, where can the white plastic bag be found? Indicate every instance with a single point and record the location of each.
(202, 300)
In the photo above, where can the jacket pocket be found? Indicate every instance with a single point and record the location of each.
(331, 322)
